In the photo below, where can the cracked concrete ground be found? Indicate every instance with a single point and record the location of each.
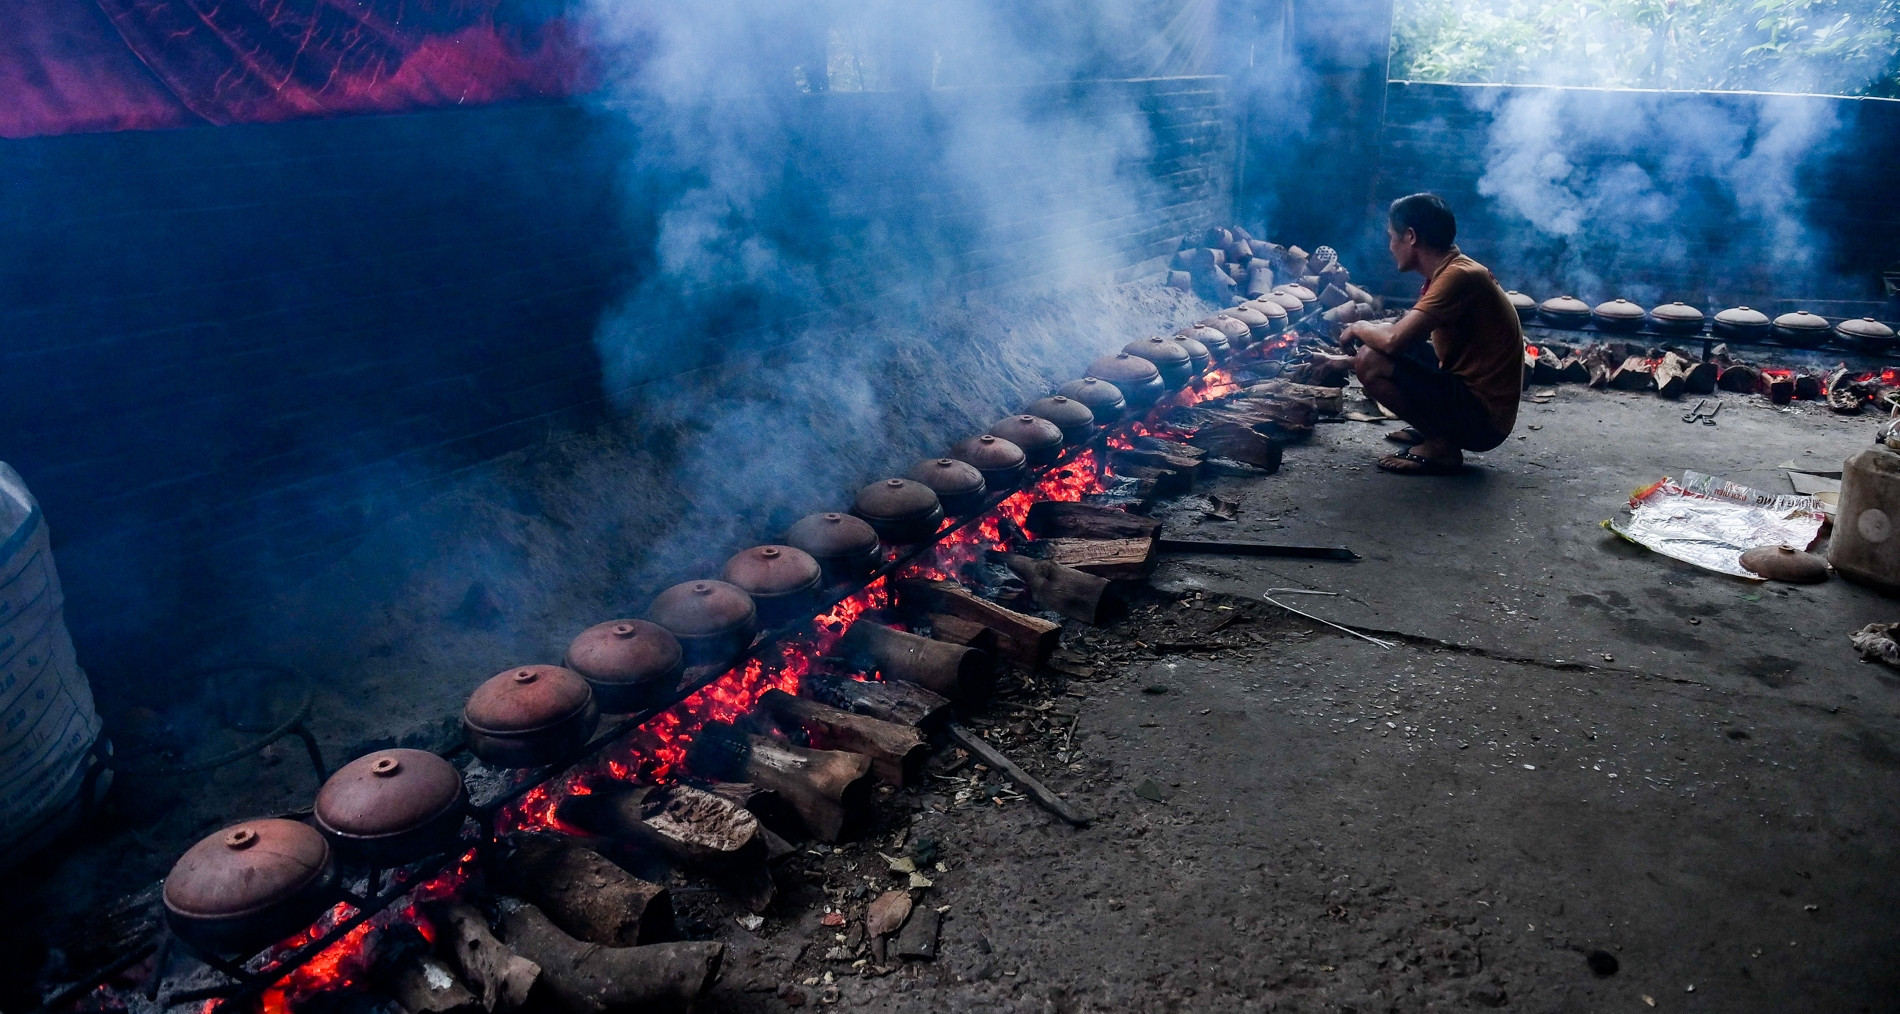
(1703, 788)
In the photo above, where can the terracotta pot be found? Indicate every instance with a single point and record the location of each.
(1041, 440)
(1803, 330)
(1676, 318)
(783, 581)
(1259, 325)
(1744, 323)
(1199, 358)
(249, 886)
(1171, 359)
(1074, 419)
(392, 807)
(1001, 462)
(902, 511)
(1525, 306)
(530, 716)
(1236, 332)
(1136, 378)
(713, 620)
(958, 485)
(1217, 345)
(632, 665)
(845, 547)
(1618, 315)
(1292, 304)
(1309, 299)
(1866, 333)
(1102, 398)
(1564, 311)
(1273, 310)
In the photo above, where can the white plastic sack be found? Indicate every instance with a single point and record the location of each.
(47, 721)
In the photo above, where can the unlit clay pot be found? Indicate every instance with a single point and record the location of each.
(1786, 564)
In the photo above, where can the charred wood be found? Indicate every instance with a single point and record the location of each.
(1042, 794)
(891, 699)
(1073, 593)
(585, 893)
(502, 978)
(1239, 443)
(585, 978)
(896, 751)
(1113, 559)
(958, 672)
(828, 789)
(1052, 519)
(690, 827)
(1025, 640)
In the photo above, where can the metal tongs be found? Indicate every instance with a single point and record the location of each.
(1698, 412)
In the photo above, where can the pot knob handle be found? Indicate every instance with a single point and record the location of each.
(771, 552)
(524, 676)
(623, 630)
(241, 838)
(385, 767)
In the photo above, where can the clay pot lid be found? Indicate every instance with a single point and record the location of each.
(1098, 394)
(990, 452)
(1196, 349)
(1211, 336)
(896, 500)
(1122, 370)
(1228, 324)
(1287, 300)
(388, 792)
(1066, 412)
(624, 651)
(1618, 309)
(1565, 306)
(1677, 313)
(246, 869)
(1159, 351)
(1304, 294)
(1864, 327)
(702, 609)
(772, 570)
(525, 699)
(1742, 316)
(1785, 563)
(1272, 309)
(1028, 432)
(832, 536)
(1802, 320)
(950, 477)
(1246, 314)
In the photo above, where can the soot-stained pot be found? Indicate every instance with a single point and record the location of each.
(1676, 318)
(845, 546)
(1102, 398)
(1741, 322)
(958, 484)
(1309, 300)
(1274, 311)
(1199, 358)
(1172, 359)
(1001, 462)
(529, 716)
(901, 510)
(1866, 333)
(713, 620)
(1217, 344)
(249, 886)
(1138, 380)
(1041, 440)
(1236, 332)
(1564, 311)
(631, 664)
(1785, 563)
(1525, 306)
(392, 807)
(1259, 325)
(1618, 315)
(1803, 330)
(1074, 419)
(782, 580)
(1292, 304)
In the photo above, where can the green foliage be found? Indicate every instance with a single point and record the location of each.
(1840, 47)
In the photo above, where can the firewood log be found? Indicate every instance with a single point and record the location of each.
(1113, 559)
(422, 984)
(1167, 481)
(1073, 593)
(828, 789)
(1779, 387)
(501, 977)
(957, 630)
(1807, 386)
(1634, 375)
(958, 672)
(1240, 443)
(892, 700)
(585, 893)
(701, 830)
(1142, 457)
(897, 751)
(1054, 519)
(1026, 640)
(584, 978)
(1739, 378)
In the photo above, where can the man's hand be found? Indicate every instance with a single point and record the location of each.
(1389, 338)
(1351, 338)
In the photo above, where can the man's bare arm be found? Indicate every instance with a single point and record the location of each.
(1391, 339)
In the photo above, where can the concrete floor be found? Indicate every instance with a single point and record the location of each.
(1712, 800)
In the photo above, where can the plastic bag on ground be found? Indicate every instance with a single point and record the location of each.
(1711, 522)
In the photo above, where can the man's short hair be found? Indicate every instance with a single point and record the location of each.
(1428, 216)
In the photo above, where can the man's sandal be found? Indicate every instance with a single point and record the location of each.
(1404, 435)
(1407, 463)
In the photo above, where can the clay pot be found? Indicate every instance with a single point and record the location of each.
(1259, 325)
(1234, 331)
(845, 547)
(1866, 333)
(958, 485)
(1803, 330)
(1309, 299)
(1289, 302)
(1102, 398)
(1171, 359)
(1001, 462)
(782, 580)
(249, 886)
(530, 716)
(1618, 315)
(1676, 318)
(1199, 358)
(1217, 344)
(632, 665)
(1564, 311)
(1040, 440)
(1273, 310)
(901, 511)
(1136, 378)
(1074, 419)
(392, 807)
(1525, 306)
(713, 620)
(1744, 323)
(1786, 564)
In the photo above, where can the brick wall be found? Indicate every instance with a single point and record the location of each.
(230, 352)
